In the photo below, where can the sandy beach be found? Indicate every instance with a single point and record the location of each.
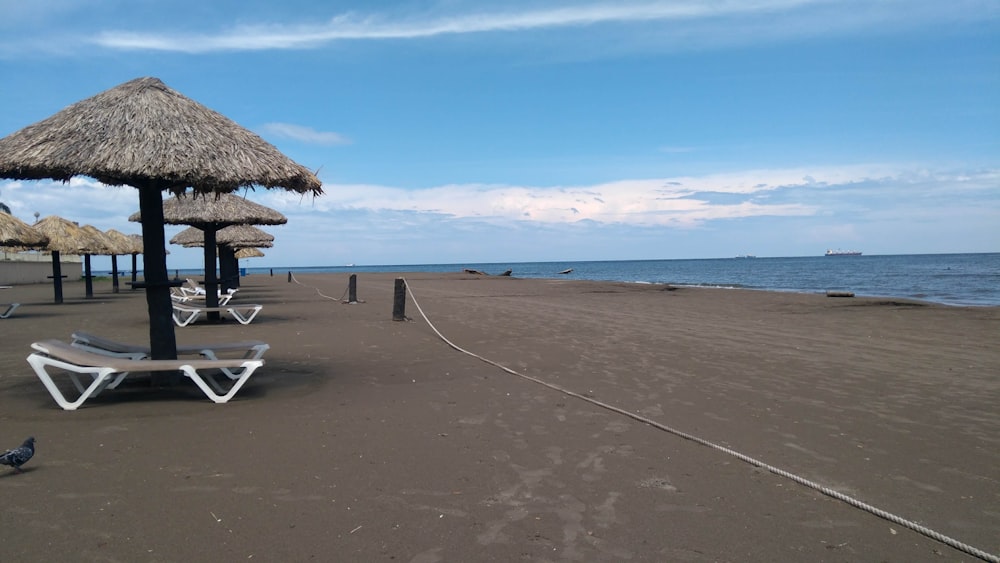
(367, 439)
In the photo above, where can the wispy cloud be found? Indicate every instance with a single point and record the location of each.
(304, 134)
(812, 16)
(669, 202)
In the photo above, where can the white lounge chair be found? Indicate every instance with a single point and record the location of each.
(187, 313)
(251, 349)
(191, 287)
(10, 310)
(107, 370)
(178, 294)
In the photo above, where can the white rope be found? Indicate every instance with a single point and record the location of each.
(752, 461)
(341, 299)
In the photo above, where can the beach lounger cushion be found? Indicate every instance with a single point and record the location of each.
(108, 371)
(251, 349)
(187, 313)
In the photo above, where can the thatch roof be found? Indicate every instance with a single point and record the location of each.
(137, 247)
(234, 236)
(98, 242)
(216, 210)
(15, 232)
(122, 243)
(248, 252)
(64, 236)
(142, 133)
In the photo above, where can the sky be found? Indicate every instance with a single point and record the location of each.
(457, 131)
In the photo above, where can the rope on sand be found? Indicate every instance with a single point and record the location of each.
(974, 551)
(292, 277)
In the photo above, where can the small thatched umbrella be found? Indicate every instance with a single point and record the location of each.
(122, 245)
(65, 237)
(227, 239)
(15, 232)
(136, 250)
(99, 244)
(143, 134)
(249, 252)
(210, 214)
(246, 252)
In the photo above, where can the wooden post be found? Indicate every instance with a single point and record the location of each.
(352, 289)
(289, 277)
(399, 301)
(89, 283)
(114, 274)
(57, 276)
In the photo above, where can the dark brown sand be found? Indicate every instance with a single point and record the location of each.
(364, 439)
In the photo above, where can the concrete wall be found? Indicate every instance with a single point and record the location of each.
(15, 272)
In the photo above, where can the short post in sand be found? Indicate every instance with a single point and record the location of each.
(352, 289)
(399, 301)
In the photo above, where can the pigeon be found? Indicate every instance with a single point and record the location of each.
(19, 456)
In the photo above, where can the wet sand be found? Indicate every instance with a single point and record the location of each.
(365, 439)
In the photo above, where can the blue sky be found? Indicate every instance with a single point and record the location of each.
(454, 131)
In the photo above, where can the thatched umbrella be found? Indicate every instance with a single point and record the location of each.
(15, 232)
(236, 236)
(227, 239)
(122, 245)
(146, 135)
(249, 252)
(210, 214)
(65, 237)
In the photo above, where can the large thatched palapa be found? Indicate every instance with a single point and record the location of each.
(209, 214)
(146, 135)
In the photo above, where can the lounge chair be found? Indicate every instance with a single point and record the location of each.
(110, 370)
(10, 310)
(178, 294)
(187, 313)
(191, 287)
(251, 349)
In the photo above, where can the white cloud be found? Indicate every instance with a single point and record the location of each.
(717, 21)
(304, 134)
(385, 224)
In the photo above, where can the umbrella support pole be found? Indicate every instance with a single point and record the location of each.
(162, 340)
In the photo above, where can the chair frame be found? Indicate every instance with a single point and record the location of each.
(10, 310)
(185, 314)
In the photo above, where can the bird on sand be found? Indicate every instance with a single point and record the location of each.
(19, 456)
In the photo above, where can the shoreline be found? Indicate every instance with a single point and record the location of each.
(372, 439)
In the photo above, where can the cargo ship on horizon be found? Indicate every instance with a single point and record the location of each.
(839, 252)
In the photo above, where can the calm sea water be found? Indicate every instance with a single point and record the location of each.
(952, 279)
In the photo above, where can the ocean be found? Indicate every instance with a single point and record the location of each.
(950, 279)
